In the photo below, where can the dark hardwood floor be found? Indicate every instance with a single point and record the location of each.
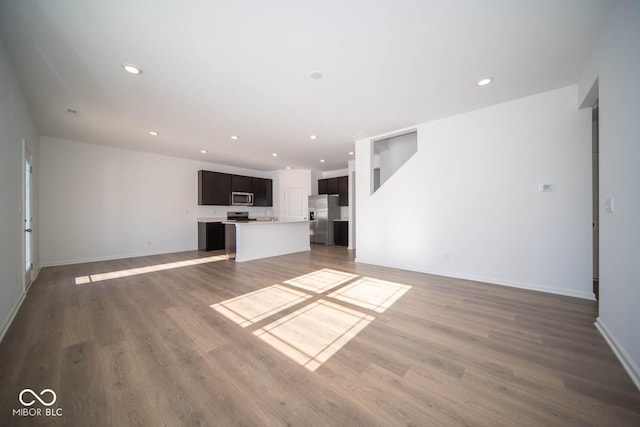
(147, 349)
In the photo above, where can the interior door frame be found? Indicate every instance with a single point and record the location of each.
(27, 209)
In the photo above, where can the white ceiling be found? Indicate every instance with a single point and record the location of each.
(213, 69)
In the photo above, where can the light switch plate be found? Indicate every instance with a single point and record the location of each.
(608, 204)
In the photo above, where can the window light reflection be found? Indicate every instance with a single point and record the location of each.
(250, 308)
(321, 280)
(373, 294)
(81, 280)
(311, 335)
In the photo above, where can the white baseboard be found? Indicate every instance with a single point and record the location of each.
(489, 280)
(34, 276)
(115, 257)
(9, 319)
(627, 362)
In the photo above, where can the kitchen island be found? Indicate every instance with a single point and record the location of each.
(246, 241)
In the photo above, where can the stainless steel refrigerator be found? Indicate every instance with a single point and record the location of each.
(323, 209)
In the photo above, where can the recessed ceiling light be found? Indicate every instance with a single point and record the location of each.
(316, 75)
(154, 133)
(288, 167)
(313, 137)
(351, 153)
(274, 154)
(234, 137)
(321, 160)
(204, 151)
(484, 81)
(133, 69)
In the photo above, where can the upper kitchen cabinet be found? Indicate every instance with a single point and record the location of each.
(338, 185)
(214, 188)
(262, 190)
(241, 183)
(332, 186)
(323, 186)
(343, 190)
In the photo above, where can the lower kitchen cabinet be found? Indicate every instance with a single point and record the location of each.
(341, 233)
(210, 236)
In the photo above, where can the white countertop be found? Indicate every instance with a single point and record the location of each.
(263, 222)
(212, 219)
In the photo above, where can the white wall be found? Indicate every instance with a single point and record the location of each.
(15, 124)
(351, 209)
(315, 176)
(100, 202)
(467, 204)
(335, 173)
(616, 65)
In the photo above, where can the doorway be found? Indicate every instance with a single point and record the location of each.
(595, 162)
(28, 216)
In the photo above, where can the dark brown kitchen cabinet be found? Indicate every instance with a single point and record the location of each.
(241, 183)
(338, 185)
(214, 188)
(211, 236)
(323, 186)
(262, 190)
(332, 186)
(341, 233)
(343, 190)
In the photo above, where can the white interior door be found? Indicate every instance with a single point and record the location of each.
(28, 218)
(296, 203)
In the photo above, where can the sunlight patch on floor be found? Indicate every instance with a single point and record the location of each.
(311, 335)
(250, 308)
(321, 280)
(373, 294)
(315, 332)
(82, 280)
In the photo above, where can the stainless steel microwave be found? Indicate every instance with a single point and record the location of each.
(241, 199)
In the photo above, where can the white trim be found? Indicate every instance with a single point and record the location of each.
(34, 276)
(114, 257)
(11, 316)
(490, 280)
(627, 362)
(16, 308)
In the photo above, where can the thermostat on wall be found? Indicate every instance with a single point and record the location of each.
(546, 187)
